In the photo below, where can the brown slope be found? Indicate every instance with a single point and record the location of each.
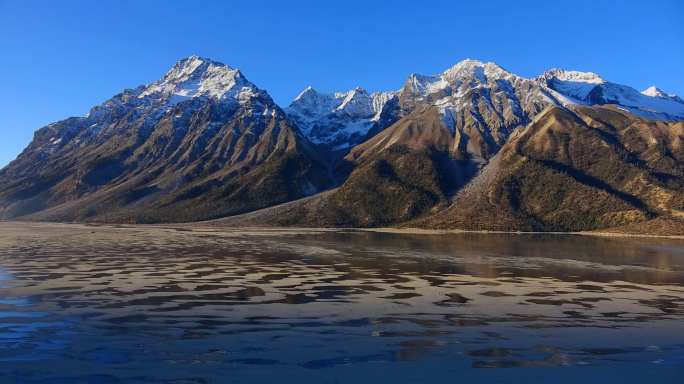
(394, 186)
(585, 169)
(406, 171)
(235, 177)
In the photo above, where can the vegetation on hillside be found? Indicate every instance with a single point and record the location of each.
(396, 185)
(566, 173)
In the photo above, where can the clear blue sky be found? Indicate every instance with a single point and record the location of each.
(60, 58)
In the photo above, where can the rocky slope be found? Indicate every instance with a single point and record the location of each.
(201, 142)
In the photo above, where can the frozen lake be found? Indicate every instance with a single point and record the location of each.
(124, 304)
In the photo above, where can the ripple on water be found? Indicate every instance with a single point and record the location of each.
(175, 307)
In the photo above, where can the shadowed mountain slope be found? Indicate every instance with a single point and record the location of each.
(200, 143)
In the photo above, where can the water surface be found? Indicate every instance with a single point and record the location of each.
(118, 304)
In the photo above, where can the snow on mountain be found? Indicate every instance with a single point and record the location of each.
(470, 95)
(473, 73)
(576, 76)
(474, 94)
(426, 85)
(657, 92)
(589, 88)
(574, 84)
(199, 77)
(338, 119)
(482, 96)
(203, 117)
(476, 98)
(192, 82)
(466, 76)
(194, 78)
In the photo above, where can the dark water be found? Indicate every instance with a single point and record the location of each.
(150, 305)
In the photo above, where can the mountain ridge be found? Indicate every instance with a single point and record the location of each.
(445, 90)
(203, 142)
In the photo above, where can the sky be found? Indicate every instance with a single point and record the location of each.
(59, 59)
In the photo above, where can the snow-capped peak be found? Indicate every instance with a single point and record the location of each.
(200, 77)
(480, 70)
(311, 94)
(195, 58)
(575, 84)
(591, 89)
(355, 93)
(339, 119)
(573, 76)
(656, 92)
(464, 69)
(193, 66)
(469, 73)
(467, 64)
(313, 103)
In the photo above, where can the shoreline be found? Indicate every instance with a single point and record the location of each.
(455, 231)
(413, 231)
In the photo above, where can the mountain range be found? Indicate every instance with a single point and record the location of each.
(475, 148)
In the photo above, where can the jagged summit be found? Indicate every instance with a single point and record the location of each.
(467, 65)
(337, 120)
(311, 92)
(469, 62)
(199, 77)
(478, 68)
(464, 65)
(654, 91)
(195, 58)
(657, 92)
(192, 67)
(573, 84)
(574, 76)
(194, 78)
(466, 74)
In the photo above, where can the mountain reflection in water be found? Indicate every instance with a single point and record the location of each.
(125, 304)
